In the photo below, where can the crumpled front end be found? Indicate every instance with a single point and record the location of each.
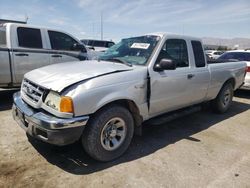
(46, 127)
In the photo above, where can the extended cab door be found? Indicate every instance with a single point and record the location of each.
(29, 52)
(200, 79)
(170, 89)
(63, 48)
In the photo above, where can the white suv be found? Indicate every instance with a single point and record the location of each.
(214, 54)
(97, 45)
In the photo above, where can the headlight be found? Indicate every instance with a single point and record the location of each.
(59, 103)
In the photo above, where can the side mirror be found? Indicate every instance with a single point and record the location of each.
(165, 64)
(79, 47)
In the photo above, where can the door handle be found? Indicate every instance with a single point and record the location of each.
(22, 54)
(56, 56)
(190, 76)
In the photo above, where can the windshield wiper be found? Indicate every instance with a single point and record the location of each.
(119, 61)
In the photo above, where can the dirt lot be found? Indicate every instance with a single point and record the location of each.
(200, 150)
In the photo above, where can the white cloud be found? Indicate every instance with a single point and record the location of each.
(128, 18)
(59, 22)
(52, 8)
(167, 12)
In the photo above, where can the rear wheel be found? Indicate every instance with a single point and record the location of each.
(224, 99)
(109, 133)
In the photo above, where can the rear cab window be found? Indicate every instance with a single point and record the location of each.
(176, 50)
(3, 36)
(99, 43)
(198, 54)
(29, 37)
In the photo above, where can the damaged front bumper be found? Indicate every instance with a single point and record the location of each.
(46, 127)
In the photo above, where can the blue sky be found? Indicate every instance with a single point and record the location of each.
(201, 18)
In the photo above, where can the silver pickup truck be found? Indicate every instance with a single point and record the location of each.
(104, 102)
(24, 48)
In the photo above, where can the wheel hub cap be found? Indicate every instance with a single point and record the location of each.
(226, 99)
(113, 134)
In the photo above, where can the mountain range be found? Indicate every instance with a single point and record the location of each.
(239, 43)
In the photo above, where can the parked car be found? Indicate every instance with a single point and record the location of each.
(24, 48)
(98, 45)
(213, 54)
(104, 102)
(240, 55)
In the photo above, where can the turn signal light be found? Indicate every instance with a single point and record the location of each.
(66, 105)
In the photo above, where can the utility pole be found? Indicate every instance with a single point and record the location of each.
(101, 26)
(93, 30)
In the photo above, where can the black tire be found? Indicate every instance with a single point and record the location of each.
(98, 125)
(224, 99)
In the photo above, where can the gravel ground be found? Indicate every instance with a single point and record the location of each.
(200, 150)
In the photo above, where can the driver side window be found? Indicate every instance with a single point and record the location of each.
(61, 41)
(176, 50)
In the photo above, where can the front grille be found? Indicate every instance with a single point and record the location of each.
(32, 91)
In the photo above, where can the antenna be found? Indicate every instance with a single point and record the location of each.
(26, 18)
(101, 26)
(93, 30)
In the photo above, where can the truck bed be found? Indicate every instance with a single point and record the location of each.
(213, 61)
(221, 71)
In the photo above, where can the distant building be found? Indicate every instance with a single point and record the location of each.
(2, 21)
(214, 47)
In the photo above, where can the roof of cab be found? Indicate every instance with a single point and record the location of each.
(166, 34)
(8, 25)
(25, 25)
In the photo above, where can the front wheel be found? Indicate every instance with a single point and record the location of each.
(108, 133)
(224, 99)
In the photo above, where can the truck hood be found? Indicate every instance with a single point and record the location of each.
(59, 76)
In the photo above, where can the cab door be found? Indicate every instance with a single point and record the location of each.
(170, 89)
(29, 53)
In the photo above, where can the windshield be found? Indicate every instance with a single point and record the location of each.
(136, 50)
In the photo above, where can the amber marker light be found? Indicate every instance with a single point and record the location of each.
(66, 105)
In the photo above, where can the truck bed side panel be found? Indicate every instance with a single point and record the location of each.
(5, 74)
(222, 72)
